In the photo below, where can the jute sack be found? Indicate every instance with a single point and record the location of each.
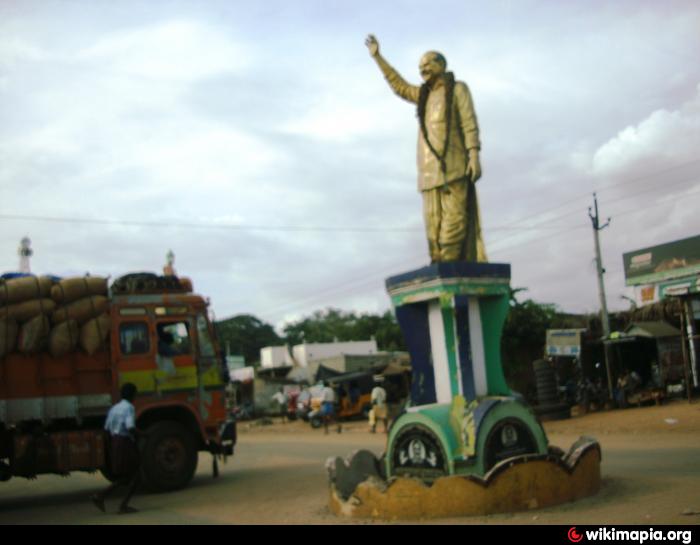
(16, 290)
(83, 310)
(94, 333)
(8, 336)
(72, 289)
(33, 335)
(63, 338)
(23, 312)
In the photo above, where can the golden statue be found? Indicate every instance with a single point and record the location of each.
(448, 156)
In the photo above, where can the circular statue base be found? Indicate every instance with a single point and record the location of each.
(517, 484)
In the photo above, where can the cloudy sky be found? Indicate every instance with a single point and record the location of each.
(259, 142)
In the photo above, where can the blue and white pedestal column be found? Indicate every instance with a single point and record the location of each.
(452, 317)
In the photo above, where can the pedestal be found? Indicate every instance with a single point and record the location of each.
(477, 445)
(462, 417)
(452, 316)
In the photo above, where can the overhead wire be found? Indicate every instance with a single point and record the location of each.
(373, 278)
(514, 225)
(378, 276)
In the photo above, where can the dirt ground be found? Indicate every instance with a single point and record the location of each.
(651, 476)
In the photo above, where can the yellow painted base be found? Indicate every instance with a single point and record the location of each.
(518, 484)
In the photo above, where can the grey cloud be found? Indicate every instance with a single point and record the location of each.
(88, 136)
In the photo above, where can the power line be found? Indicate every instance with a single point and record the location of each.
(379, 276)
(616, 214)
(602, 189)
(569, 214)
(233, 227)
(514, 225)
(668, 200)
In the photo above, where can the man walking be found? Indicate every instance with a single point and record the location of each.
(379, 408)
(124, 453)
(328, 407)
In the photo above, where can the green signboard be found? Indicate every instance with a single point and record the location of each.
(670, 261)
(683, 286)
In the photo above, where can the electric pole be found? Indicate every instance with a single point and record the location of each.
(599, 266)
(604, 318)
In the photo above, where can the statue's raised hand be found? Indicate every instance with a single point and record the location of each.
(373, 45)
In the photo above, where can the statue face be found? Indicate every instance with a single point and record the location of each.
(432, 66)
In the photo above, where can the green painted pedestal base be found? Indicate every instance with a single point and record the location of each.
(462, 438)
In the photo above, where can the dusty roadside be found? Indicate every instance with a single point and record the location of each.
(651, 465)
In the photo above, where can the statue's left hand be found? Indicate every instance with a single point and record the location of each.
(474, 165)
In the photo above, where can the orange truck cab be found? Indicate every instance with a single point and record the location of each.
(53, 409)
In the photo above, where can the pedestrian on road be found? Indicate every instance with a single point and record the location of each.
(121, 426)
(379, 408)
(282, 400)
(328, 407)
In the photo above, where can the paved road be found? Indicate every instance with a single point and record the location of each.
(278, 476)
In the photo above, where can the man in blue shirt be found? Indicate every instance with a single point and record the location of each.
(121, 426)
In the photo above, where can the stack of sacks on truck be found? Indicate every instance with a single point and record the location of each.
(37, 313)
(25, 308)
(82, 316)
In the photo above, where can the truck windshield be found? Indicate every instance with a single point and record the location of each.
(206, 346)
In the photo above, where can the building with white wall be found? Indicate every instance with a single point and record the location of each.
(303, 354)
(307, 353)
(275, 356)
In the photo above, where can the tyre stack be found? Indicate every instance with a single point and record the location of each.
(549, 405)
(42, 314)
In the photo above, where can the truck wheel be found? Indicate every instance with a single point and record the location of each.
(169, 457)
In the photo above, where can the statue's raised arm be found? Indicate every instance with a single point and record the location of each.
(448, 155)
(399, 85)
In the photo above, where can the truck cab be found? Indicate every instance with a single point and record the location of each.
(165, 345)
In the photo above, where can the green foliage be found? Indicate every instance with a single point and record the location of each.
(525, 331)
(333, 324)
(246, 335)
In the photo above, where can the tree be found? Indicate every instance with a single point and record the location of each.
(246, 335)
(330, 325)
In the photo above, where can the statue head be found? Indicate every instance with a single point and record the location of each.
(432, 65)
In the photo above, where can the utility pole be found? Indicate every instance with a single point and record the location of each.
(604, 318)
(599, 266)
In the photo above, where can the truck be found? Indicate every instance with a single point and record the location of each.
(160, 338)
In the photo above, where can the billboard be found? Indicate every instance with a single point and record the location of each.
(564, 342)
(662, 263)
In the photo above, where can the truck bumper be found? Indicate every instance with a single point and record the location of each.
(227, 439)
